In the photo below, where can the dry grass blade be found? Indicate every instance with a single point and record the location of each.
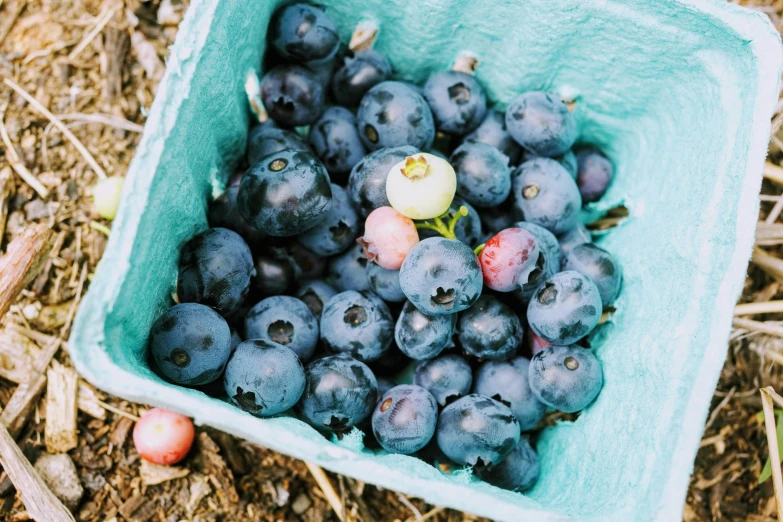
(767, 307)
(774, 451)
(18, 166)
(769, 234)
(107, 119)
(773, 173)
(429, 514)
(60, 125)
(770, 264)
(758, 326)
(89, 37)
(326, 486)
(775, 212)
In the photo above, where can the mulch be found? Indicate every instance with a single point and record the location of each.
(59, 53)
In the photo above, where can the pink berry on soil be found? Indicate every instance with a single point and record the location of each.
(388, 237)
(163, 437)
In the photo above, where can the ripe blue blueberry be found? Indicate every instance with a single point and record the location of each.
(224, 213)
(441, 276)
(191, 344)
(215, 268)
(358, 74)
(492, 131)
(315, 294)
(518, 471)
(357, 323)
(550, 258)
(421, 336)
(567, 378)
(284, 320)
(495, 219)
(566, 160)
(336, 142)
(385, 283)
(392, 114)
(490, 330)
(264, 378)
(594, 174)
(292, 95)
(457, 101)
(477, 431)
(541, 123)
(384, 384)
(483, 174)
(447, 377)
(546, 194)
(404, 419)
(391, 364)
(337, 230)
(367, 182)
(507, 382)
(340, 393)
(577, 235)
(565, 308)
(348, 270)
(275, 274)
(303, 33)
(600, 266)
(264, 140)
(286, 194)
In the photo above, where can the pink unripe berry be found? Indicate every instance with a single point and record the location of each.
(388, 237)
(508, 259)
(163, 437)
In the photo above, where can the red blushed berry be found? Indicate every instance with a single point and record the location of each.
(508, 259)
(163, 437)
(536, 343)
(388, 237)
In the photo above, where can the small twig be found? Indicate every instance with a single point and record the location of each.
(89, 37)
(465, 63)
(326, 486)
(773, 173)
(407, 503)
(758, 326)
(429, 514)
(121, 413)
(105, 119)
(100, 227)
(775, 212)
(38, 499)
(9, 20)
(767, 307)
(60, 125)
(77, 299)
(17, 165)
(722, 404)
(774, 451)
(770, 264)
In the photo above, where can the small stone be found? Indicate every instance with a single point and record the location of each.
(36, 209)
(301, 504)
(282, 494)
(59, 473)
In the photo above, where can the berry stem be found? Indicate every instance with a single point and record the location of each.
(479, 248)
(440, 227)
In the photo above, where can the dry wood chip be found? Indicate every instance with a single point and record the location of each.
(216, 468)
(62, 387)
(152, 474)
(131, 505)
(120, 432)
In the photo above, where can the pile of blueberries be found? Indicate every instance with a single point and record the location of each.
(361, 278)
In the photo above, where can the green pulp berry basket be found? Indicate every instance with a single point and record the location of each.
(679, 94)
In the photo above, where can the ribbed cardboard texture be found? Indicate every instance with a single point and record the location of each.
(679, 94)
